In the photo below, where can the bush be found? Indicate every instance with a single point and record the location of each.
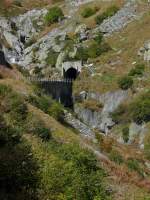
(96, 49)
(52, 58)
(42, 102)
(116, 157)
(53, 15)
(56, 110)
(98, 38)
(120, 115)
(140, 108)
(87, 12)
(137, 71)
(43, 133)
(82, 54)
(108, 13)
(125, 134)
(133, 165)
(125, 82)
(137, 110)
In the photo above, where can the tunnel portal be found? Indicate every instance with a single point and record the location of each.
(71, 73)
(70, 70)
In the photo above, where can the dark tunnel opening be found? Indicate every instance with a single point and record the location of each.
(71, 73)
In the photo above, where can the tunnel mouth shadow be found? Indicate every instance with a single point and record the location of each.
(71, 73)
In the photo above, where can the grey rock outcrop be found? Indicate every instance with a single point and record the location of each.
(78, 125)
(101, 120)
(77, 2)
(135, 131)
(30, 23)
(119, 20)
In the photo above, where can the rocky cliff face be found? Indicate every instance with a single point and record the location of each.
(101, 120)
(124, 16)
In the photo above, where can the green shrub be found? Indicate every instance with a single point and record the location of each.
(43, 133)
(52, 58)
(116, 157)
(137, 71)
(96, 49)
(56, 110)
(53, 15)
(125, 134)
(120, 114)
(133, 165)
(87, 12)
(16, 107)
(42, 102)
(140, 108)
(125, 82)
(98, 38)
(17, 3)
(82, 54)
(108, 13)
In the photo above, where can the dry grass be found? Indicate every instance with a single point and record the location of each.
(101, 5)
(10, 8)
(92, 105)
(118, 62)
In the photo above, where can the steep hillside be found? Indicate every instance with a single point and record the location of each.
(99, 147)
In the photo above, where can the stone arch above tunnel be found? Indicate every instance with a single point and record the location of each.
(70, 70)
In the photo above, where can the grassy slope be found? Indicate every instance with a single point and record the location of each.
(11, 8)
(125, 45)
(124, 185)
(119, 177)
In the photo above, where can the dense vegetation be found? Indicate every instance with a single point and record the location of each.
(71, 172)
(138, 110)
(18, 169)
